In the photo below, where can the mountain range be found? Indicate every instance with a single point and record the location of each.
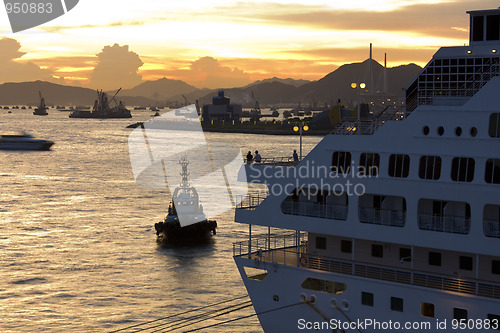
(273, 91)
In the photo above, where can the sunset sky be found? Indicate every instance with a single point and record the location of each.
(222, 43)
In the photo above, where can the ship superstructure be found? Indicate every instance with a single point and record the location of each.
(393, 220)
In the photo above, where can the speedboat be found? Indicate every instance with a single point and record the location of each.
(23, 142)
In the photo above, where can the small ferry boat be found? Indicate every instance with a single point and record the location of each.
(185, 221)
(41, 110)
(23, 142)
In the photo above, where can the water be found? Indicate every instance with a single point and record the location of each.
(77, 243)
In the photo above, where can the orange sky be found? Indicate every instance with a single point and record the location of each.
(222, 43)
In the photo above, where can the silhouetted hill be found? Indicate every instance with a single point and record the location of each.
(336, 85)
(160, 90)
(26, 93)
(289, 81)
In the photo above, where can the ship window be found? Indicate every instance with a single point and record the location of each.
(462, 169)
(324, 286)
(321, 243)
(404, 254)
(477, 28)
(495, 267)
(466, 263)
(341, 162)
(430, 167)
(369, 163)
(459, 313)
(366, 298)
(377, 251)
(396, 304)
(440, 129)
(492, 172)
(425, 130)
(399, 165)
(494, 129)
(473, 131)
(458, 131)
(346, 246)
(493, 27)
(427, 309)
(434, 258)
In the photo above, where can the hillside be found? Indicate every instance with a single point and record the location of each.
(334, 86)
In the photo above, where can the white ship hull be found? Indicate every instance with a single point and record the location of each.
(285, 283)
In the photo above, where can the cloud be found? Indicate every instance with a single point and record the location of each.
(207, 72)
(13, 69)
(116, 67)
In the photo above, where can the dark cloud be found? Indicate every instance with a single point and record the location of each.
(116, 67)
(208, 72)
(13, 69)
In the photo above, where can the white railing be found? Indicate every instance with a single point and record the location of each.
(451, 224)
(251, 201)
(387, 217)
(291, 250)
(277, 161)
(314, 209)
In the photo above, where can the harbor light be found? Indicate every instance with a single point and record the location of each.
(300, 127)
(358, 88)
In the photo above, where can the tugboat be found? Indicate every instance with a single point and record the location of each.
(102, 109)
(185, 208)
(41, 110)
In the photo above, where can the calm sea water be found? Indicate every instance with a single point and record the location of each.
(78, 250)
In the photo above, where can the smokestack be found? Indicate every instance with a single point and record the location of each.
(385, 72)
(370, 51)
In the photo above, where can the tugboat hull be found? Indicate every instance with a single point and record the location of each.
(173, 233)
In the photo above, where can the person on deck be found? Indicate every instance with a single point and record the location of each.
(249, 157)
(257, 157)
(295, 157)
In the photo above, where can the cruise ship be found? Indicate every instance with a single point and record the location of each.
(390, 224)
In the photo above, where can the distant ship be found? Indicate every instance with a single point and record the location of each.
(185, 205)
(41, 110)
(23, 142)
(102, 108)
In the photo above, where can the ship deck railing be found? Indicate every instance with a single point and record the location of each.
(369, 126)
(314, 209)
(291, 250)
(250, 201)
(451, 224)
(273, 161)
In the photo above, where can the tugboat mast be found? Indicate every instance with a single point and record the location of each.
(184, 174)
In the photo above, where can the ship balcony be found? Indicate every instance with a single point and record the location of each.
(387, 217)
(291, 250)
(314, 209)
(250, 202)
(491, 228)
(451, 224)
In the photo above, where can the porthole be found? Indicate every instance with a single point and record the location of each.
(440, 130)
(425, 130)
(458, 131)
(473, 131)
